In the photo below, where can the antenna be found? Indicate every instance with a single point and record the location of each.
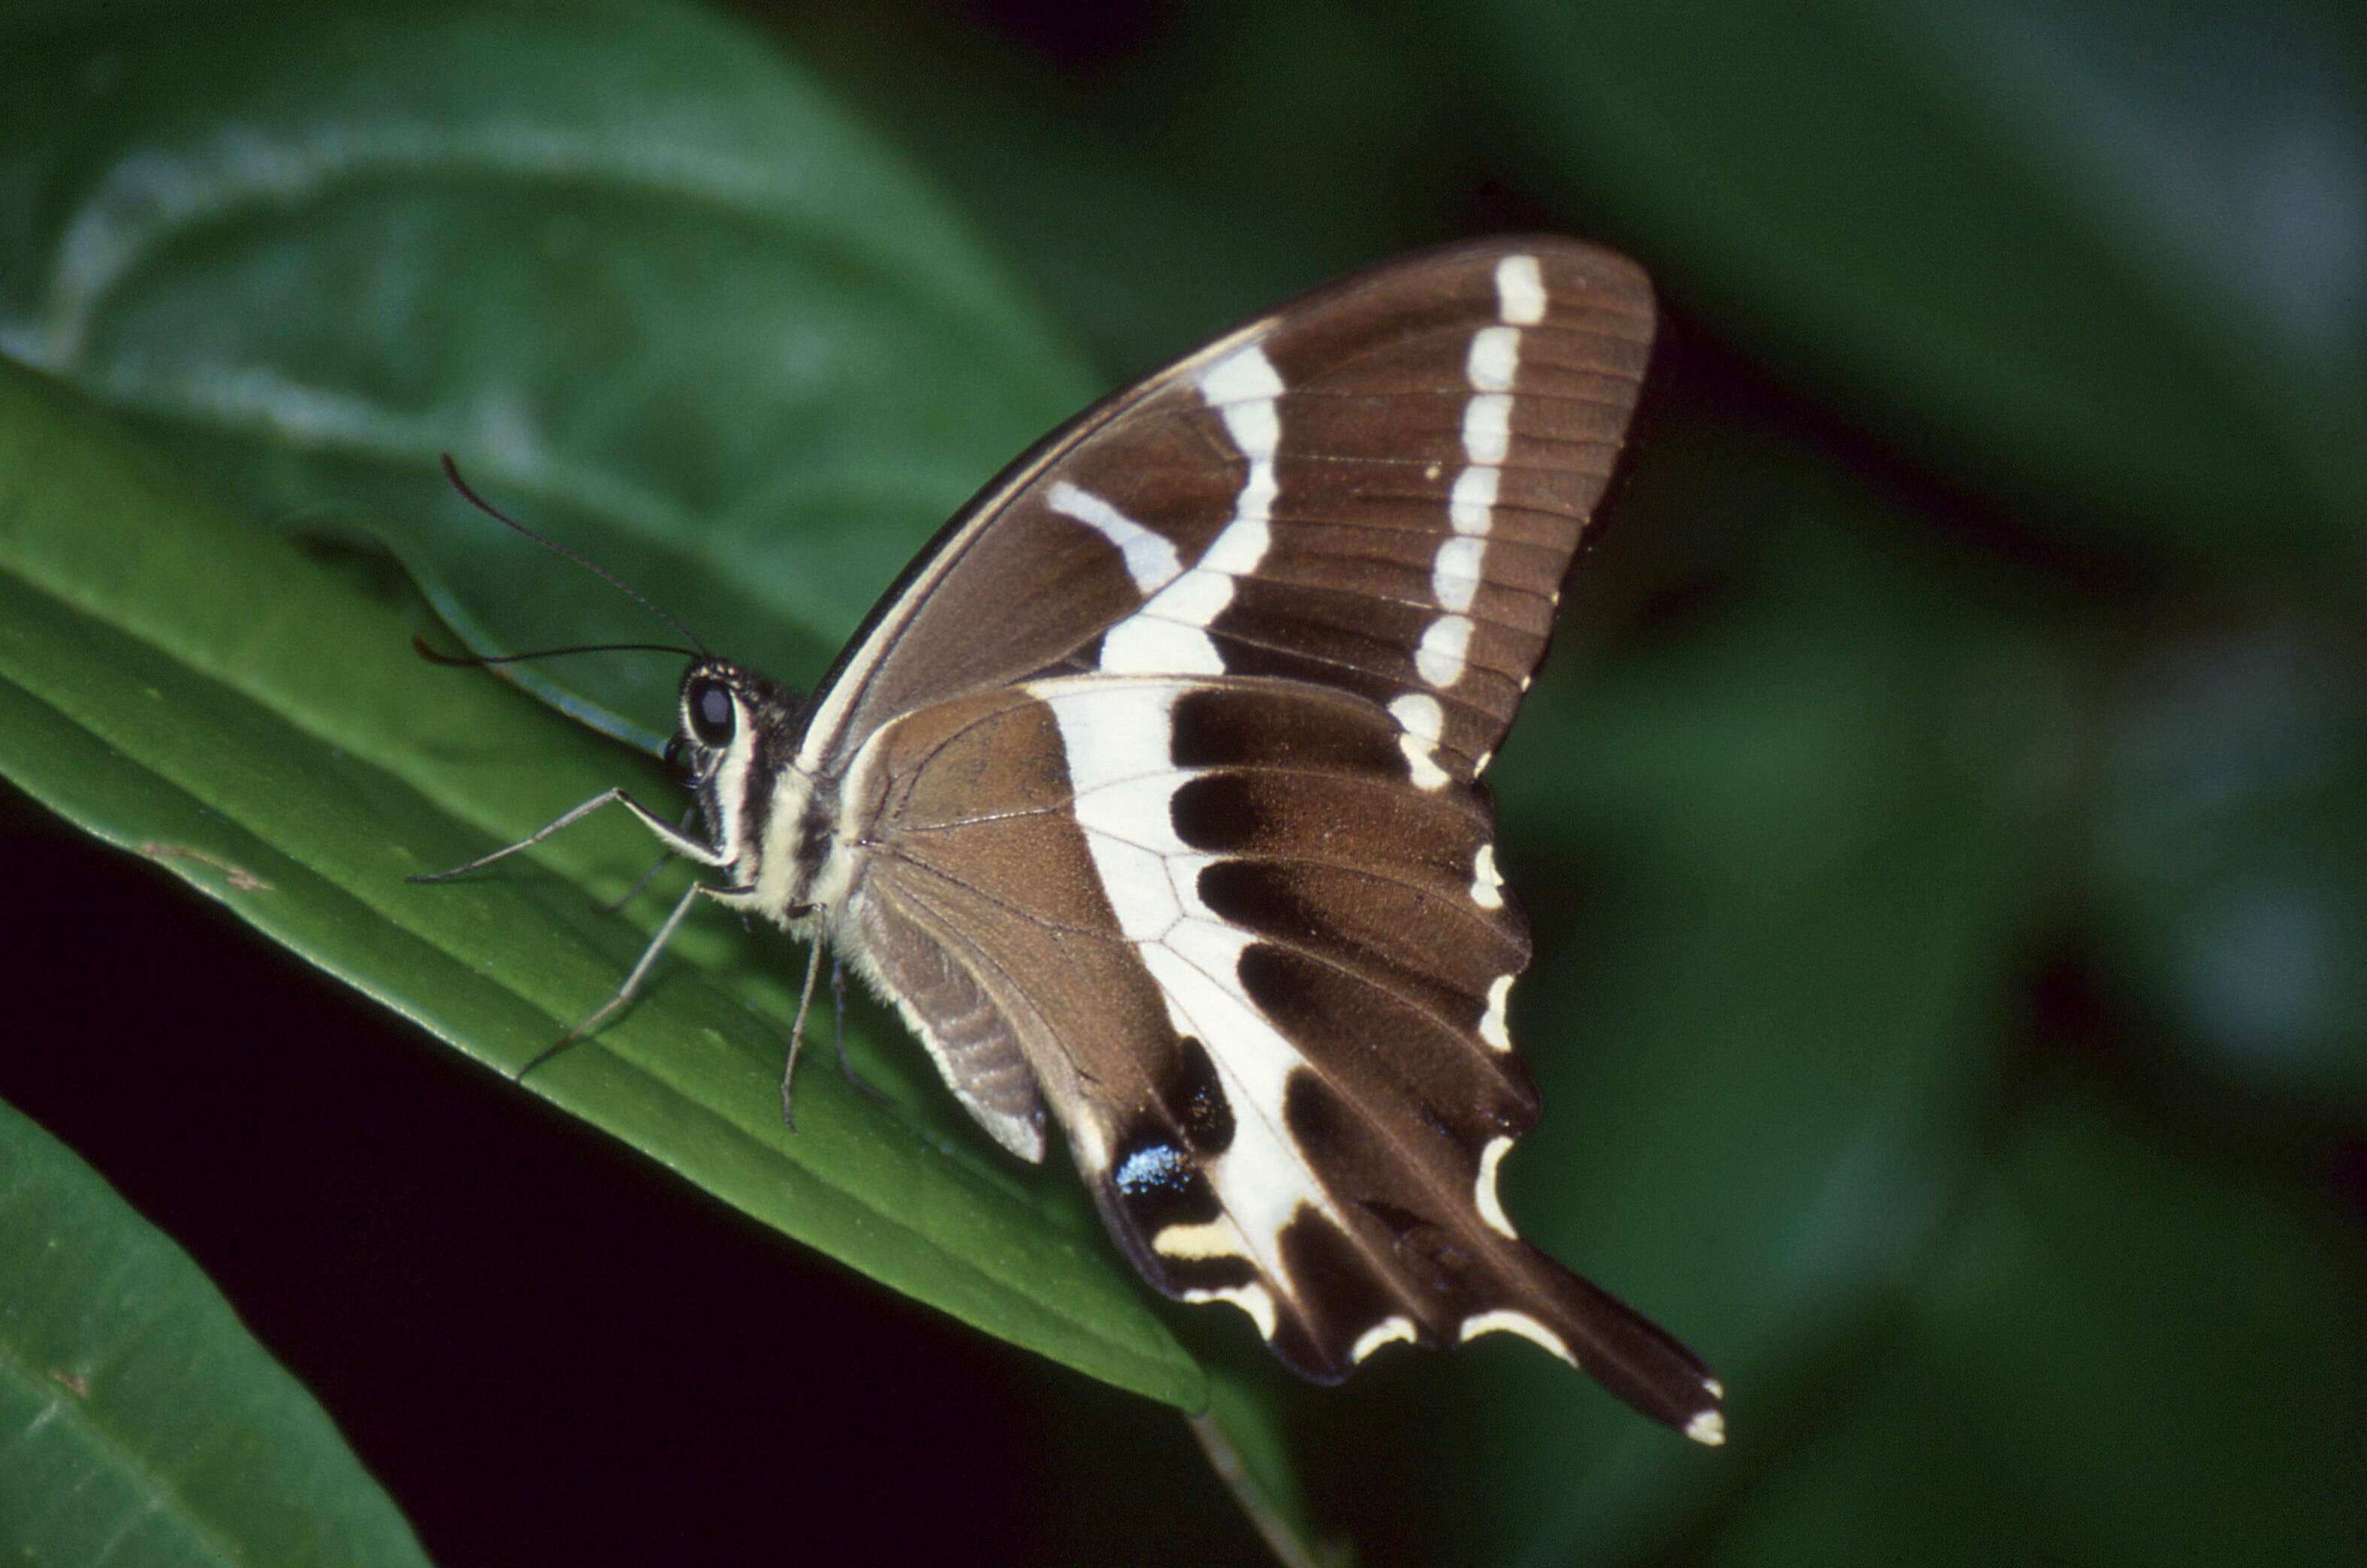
(478, 660)
(452, 473)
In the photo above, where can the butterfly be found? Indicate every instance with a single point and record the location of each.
(1149, 797)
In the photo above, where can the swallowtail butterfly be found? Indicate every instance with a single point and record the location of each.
(1150, 794)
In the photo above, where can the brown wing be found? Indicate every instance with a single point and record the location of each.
(1377, 487)
(1169, 745)
(1261, 978)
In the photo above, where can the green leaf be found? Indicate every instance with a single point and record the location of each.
(1242, 1432)
(1120, 192)
(180, 682)
(2105, 259)
(653, 290)
(140, 1422)
(2231, 864)
(2123, 1355)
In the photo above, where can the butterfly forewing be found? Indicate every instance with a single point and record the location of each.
(1150, 793)
(1341, 491)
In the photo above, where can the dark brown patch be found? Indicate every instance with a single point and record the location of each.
(1402, 1062)
(1425, 1255)
(1313, 1115)
(1226, 724)
(1195, 1098)
(1257, 896)
(1339, 1297)
(1392, 932)
(1216, 811)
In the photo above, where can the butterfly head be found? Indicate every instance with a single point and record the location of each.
(735, 732)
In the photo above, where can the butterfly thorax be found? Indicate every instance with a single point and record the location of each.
(769, 825)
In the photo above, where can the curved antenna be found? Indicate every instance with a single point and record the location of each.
(452, 473)
(473, 660)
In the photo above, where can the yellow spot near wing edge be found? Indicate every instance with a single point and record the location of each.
(1252, 1299)
(1422, 721)
(1504, 1320)
(1492, 1028)
(1487, 884)
(1707, 1429)
(1217, 1238)
(1388, 1331)
(1484, 1190)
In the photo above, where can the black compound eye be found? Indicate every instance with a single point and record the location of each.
(710, 710)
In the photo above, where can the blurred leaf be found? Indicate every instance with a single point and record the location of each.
(2231, 862)
(1242, 1432)
(659, 295)
(142, 1422)
(2124, 1355)
(1232, 155)
(2111, 260)
(178, 682)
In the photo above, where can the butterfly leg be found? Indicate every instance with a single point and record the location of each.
(838, 1033)
(640, 884)
(797, 1032)
(624, 992)
(675, 839)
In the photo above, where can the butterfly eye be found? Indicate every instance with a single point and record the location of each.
(710, 711)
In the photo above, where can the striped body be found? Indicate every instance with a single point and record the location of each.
(1150, 794)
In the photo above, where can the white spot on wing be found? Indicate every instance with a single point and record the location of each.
(1709, 1427)
(1471, 504)
(1495, 358)
(1520, 290)
(1388, 1331)
(1504, 1320)
(1241, 546)
(1145, 644)
(1454, 575)
(1483, 1192)
(1487, 887)
(1487, 427)
(1150, 558)
(1444, 643)
(1491, 1022)
(1243, 385)
(1169, 635)
(1420, 716)
(1492, 365)
(1135, 880)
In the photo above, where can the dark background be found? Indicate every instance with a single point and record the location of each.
(548, 1351)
